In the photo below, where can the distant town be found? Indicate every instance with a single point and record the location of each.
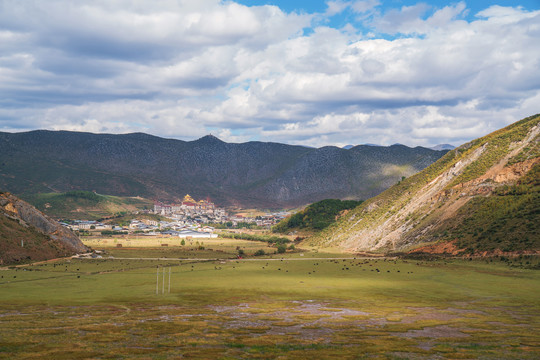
(188, 219)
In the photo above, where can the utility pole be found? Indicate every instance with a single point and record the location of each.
(163, 283)
(157, 281)
(163, 288)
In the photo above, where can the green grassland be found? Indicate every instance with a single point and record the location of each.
(171, 247)
(293, 306)
(85, 204)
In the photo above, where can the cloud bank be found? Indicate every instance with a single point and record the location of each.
(416, 75)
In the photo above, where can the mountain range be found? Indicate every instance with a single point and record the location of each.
(436, 147)
(258, 174)
(480, 198)
(443, 147)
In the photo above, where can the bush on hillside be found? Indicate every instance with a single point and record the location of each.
(316, 216)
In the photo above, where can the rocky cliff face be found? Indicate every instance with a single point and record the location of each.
(482, 197)
(250, 174)
(26, 234)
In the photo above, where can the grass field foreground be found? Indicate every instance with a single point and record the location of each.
(316, 305)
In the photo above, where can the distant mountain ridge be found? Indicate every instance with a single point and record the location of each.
(481, 198)
(260, 174)
(443, 147)
(436, 147)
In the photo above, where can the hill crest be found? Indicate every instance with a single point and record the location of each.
(430, 206)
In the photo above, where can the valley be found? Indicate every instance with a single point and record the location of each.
(441, 265)
(269, 179)
(294, 305)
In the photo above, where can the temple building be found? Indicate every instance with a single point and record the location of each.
(188, 205)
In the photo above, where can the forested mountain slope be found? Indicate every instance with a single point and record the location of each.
(257, 174)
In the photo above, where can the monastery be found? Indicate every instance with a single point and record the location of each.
(188, 205)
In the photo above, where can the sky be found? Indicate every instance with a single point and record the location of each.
(310, 72)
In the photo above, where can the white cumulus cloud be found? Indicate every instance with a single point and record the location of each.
(417, 75)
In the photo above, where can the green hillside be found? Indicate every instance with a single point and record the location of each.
(316, 216)
(506, 221)
(483, 196)
(85, 204)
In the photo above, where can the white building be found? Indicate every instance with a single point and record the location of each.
(186, 234)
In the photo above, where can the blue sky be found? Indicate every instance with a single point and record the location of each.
(301, 72)
(342, 18)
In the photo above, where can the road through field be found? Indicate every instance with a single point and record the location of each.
(216, 259)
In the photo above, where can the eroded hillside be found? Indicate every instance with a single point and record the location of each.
(496, 176)
(26, 234)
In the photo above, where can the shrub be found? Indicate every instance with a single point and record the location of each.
(316, 216)
(263, 238)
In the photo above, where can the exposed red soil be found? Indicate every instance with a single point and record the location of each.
(447, 248)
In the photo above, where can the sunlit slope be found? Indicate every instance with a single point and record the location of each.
(481, 197)
(85, 204)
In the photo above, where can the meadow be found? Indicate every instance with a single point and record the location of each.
(289, 306)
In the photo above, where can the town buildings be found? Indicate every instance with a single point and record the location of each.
(187, 206)
(188, 219)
